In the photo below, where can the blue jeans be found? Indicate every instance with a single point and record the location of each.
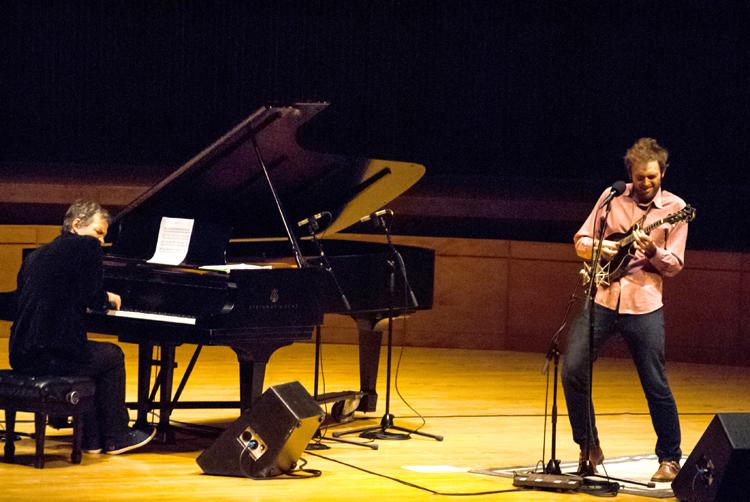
(644, 335)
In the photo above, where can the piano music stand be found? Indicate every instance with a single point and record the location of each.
(382, 431)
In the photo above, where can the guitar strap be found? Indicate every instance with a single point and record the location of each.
(642, 219)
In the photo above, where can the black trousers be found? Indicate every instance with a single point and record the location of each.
(108, 421)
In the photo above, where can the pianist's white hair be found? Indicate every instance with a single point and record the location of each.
(84, 210)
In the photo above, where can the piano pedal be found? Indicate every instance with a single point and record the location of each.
(344, 404)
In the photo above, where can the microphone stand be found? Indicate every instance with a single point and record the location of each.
(553, 354)
(386, 423)
(586, 468)
(312, 228)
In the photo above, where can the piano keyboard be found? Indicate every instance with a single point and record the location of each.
(152, 316)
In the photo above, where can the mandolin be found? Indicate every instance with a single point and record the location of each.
(611, 270)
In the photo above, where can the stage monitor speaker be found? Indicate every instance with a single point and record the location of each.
(267, 440)
(718, 467)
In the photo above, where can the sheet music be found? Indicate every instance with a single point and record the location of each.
(173, 242)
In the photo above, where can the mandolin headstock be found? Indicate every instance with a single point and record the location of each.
(686, 214)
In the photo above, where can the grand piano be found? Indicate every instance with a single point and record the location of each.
(258, 196)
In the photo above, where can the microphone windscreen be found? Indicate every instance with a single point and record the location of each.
(618, 187)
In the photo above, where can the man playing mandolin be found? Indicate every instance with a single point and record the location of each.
(645, 234)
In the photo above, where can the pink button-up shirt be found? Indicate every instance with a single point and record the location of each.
(640, 290)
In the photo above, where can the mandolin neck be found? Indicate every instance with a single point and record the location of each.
(628, 239)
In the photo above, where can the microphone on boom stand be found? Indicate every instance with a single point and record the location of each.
(376, 216)
(312, 227)
(383, 431)
(312, 221)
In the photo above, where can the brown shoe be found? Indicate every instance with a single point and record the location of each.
(668, 469)
(596, 457)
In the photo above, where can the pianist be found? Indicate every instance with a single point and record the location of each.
(56, 284)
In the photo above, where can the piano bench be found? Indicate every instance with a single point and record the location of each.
(44, 396)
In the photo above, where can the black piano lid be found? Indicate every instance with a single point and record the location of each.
(224, 189)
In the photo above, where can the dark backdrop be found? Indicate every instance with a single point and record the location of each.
(544, 89)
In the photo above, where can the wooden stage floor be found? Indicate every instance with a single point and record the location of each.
(489, 406)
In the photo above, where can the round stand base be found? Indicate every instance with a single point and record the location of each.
(585, 468)
(553, 467)
(383, 434)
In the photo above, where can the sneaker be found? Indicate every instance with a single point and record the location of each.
(91, 446)
(133, 439)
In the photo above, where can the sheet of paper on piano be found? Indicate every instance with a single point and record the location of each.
(173, 242)
(233, 266)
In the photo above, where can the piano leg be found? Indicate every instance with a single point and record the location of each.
(146, 395)
(163, 431)
(370, 339)
(145, 354)
(252, 374)
(253, 359)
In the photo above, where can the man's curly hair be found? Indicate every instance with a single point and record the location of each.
(645, 150)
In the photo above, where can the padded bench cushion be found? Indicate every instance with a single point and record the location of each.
(44, 389)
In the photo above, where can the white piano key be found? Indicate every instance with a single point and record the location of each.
(152, 316)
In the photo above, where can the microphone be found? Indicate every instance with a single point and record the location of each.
(376, 214)
(618, 187)
(313, 218)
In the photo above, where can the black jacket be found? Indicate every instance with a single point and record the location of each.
(56, 283)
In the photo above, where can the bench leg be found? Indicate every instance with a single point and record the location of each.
(10, 435)
(40, 428)
(75, 455)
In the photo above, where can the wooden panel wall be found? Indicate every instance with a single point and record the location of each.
(512, 295)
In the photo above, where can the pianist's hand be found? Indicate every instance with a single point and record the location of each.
(114, 300)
